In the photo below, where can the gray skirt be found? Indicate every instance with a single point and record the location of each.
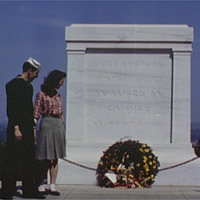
(51, 142)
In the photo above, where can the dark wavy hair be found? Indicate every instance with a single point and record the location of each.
(27, 66)
(51, 81)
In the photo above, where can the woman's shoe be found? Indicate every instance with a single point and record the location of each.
(53, 191)
(42, 190)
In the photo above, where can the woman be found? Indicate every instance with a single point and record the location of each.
(51, 141)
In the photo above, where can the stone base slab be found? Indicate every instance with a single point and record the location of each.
(168, 155)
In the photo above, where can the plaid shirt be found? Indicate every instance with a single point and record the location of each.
(46, 105)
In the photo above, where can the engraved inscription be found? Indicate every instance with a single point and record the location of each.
(128, 123)
(128, 93)
(129, 109)
(130, 64)
(124, 78)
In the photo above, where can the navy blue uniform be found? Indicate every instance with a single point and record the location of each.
(20, 155)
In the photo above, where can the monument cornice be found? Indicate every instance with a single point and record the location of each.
(128, 33)
(173, 46)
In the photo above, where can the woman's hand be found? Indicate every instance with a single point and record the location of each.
(35, 133)
(18, 134)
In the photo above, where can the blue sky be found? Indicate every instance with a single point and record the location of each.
(37, 29)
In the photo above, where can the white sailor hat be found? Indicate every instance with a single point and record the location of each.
(34, 63)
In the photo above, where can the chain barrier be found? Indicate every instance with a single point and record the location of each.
(79, 165)
(179, 164)
(162, 169)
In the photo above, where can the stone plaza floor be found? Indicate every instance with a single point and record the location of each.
(93, 192)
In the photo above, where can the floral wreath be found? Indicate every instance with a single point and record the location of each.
(127, 164)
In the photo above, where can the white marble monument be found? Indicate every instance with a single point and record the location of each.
(129, 81)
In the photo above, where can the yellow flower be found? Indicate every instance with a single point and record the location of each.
(145, 158)
(141, 150)
(138, 165)
(146, 150)
(130, 175)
